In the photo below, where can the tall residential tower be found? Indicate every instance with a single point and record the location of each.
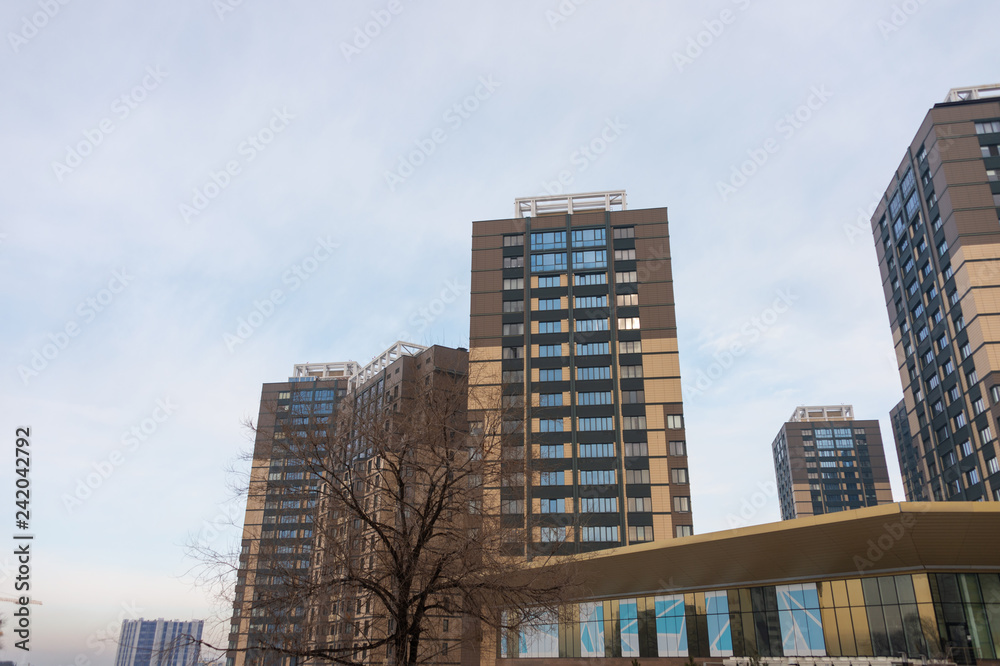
(937, 237)
(826, 461)
(573, 318)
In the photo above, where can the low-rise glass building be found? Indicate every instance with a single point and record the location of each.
(892, 583)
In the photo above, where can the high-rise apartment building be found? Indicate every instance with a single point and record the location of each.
(826, 461)
(937, 238)
(573, 318)
(293, 537)
(281, 507)
(159, 643)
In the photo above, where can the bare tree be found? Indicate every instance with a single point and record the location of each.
(409, 557)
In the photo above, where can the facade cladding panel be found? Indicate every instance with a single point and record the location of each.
(937, 239)
(586, 313)
(825, 466)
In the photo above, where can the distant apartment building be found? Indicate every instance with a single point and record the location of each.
(159, 643)
(573, 319)
(288, 523)
(937, 239)
(826, 461)
(914, 483)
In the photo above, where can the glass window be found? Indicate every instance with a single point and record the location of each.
(625, 255)
(605, 533)
(550, 478)
(512, 240)
(679, 475)
(598, 505)
(582, 279)
(545, 351)
(634, 476)
(634, 423)
(590, 259)
(630, 347)
(640, 504)
(678, 449)
(550, 425)
(548, 240)
(513, 283)
(628, 323)
(596, 423)
(682, 504)
(636, 449)
(675, 421)
(597, 450)
(597, 477)
(550, 375)
(546, 281)
(549, 303)
(552, 505)
(594, 398)
(624, 300)
(513, 262)
(592, 348)
(624, 232)
(549, 261)
(549, 535)
(513, 306)
(588, 237)
(584, 325)
(629, 371)
(550, 400)
(513, 329)
(549, 327)
(593, 372)
(683, 530)
(591, 302)
(626, 277)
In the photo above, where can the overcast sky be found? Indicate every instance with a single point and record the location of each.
(171, 169)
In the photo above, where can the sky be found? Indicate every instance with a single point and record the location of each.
(197, 195)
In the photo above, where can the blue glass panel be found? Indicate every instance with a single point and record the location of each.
(720, 635)
(628, 614)
(799, 616)
(592, 630)
(671, 626)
